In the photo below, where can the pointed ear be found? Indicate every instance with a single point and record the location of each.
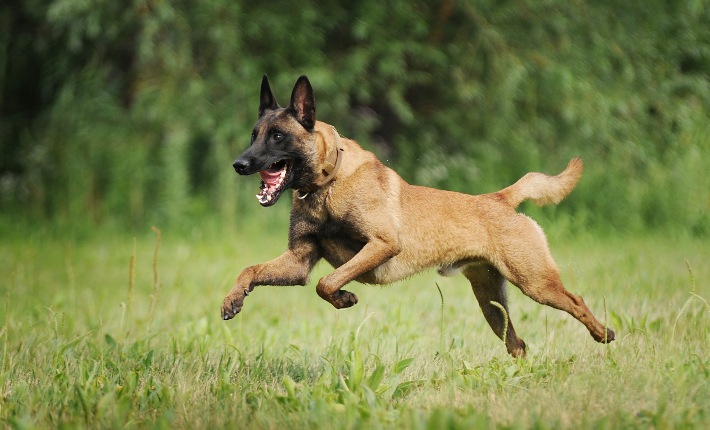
(267, 99)
(303, 103)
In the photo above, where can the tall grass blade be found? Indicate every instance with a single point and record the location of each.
(156, 287)
(4, 332)
(131, 277)
(693, 295)
(505, 316)
(441, 320)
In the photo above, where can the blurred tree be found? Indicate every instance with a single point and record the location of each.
(134, 111)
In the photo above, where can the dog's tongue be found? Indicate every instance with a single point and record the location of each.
(270, 177)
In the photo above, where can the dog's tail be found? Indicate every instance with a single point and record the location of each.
(543, 189)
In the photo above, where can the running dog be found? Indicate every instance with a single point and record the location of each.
(373, 227)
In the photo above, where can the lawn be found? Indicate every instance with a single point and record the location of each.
(118, 330)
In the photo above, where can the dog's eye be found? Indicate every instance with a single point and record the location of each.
(253, 136)
(277, 137)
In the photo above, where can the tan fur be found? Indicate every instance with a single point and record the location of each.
(543, 189)
(374, 227)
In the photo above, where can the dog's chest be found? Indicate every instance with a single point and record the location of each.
(337, 236)
(338, 242)
(340, 232)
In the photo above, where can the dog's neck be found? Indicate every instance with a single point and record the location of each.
(332, 163)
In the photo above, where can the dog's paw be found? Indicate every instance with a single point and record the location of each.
(607, 337)
(518, 349)
(231, 305)
(343, 299)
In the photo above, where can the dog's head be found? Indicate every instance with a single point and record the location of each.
(283, 149)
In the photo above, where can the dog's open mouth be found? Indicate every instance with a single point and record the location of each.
(273, 182)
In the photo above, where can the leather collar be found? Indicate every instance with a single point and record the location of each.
(332, 163)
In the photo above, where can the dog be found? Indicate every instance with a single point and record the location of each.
(373, 227)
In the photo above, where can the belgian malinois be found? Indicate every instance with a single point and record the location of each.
(373, 227)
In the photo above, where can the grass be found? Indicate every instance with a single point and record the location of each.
(112, 331)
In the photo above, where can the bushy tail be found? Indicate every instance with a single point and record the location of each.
(544, 189)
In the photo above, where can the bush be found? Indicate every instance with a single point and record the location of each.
(135, 113)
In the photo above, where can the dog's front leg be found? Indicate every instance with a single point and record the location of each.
(291, 268)
(376, 252)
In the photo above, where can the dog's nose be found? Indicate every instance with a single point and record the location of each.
(241, 165)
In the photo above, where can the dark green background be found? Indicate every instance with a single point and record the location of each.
(132, 112)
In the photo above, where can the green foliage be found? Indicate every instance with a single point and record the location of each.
(135, 112)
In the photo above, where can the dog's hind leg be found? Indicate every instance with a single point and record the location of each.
(549, 290)
(527, 263)
(489, 287)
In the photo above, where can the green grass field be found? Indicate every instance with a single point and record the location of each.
(98, 333)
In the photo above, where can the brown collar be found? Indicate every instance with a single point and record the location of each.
(332, 164)
(330, 167)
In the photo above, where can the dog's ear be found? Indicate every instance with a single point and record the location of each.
(267, 99)
(303, 103)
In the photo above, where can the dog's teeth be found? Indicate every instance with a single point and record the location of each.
(262, 197)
